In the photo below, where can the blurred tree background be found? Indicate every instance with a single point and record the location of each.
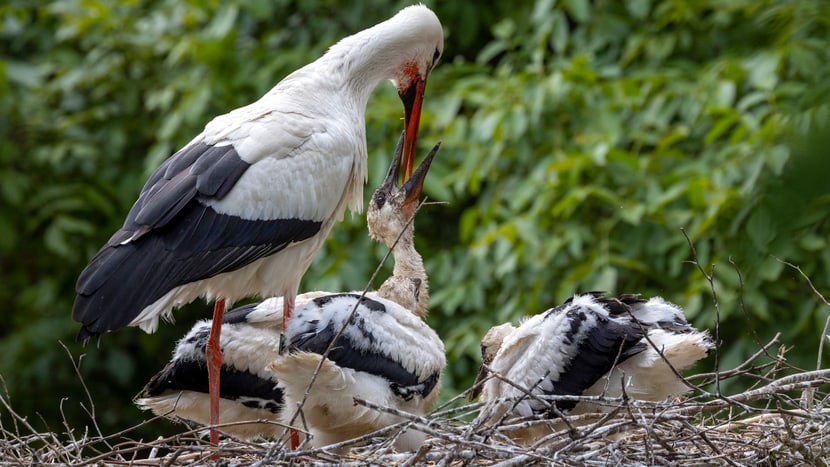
(579, 136)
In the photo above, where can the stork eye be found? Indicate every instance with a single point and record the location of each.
(435, 56)
(380, 199)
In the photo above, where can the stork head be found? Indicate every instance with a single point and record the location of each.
(490, 346)
(392, 206)
(403, 49)
(419, 55)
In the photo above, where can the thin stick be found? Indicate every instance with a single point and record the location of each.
(710, 280)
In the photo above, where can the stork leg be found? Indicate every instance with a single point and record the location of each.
(214, 357)
(287, 309)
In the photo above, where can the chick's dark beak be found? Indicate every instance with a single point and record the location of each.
(415, 184)
(390, 183)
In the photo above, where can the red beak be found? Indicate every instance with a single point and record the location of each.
(413, 98)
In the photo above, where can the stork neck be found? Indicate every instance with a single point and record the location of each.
(408, 262)
(365, 59)
(408, 270)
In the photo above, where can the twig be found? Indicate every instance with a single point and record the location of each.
(821, 297)
(743, 306)
(710, 280)
(76, 365)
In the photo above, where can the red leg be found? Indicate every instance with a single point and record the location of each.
(213, 354)
(295, 439)
(287, 309)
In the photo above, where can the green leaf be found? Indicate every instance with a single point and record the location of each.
(760, 229)
(762, 70)
(639, 9)
(580, 9)
(223, 21)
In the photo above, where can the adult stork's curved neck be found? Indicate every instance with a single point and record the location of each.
(403, 49)
(388, 50)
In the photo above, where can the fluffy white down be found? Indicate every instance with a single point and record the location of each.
(657, 310)
(646, 375)
(195, 406)
(329, 411)
(247, 346)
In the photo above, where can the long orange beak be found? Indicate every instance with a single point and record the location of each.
(413, 98)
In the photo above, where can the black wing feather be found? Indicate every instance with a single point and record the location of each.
(598, 350)
(239, 314)
(192, 375)
(177, 182)
(122, 280)
(347, 354)
(169, 239)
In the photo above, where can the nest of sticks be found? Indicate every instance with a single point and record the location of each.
(782, 418)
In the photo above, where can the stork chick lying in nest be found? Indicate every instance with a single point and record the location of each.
(386, 354)
(591, 345)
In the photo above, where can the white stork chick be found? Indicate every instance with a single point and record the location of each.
(386, 354)
(591, 345)
(243, 208)
(248, 390)
(250, 336)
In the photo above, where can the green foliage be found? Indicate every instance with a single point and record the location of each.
(579, 139)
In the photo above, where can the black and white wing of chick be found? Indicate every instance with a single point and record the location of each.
(589, 345)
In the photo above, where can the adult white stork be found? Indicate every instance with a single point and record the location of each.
(242, 209)
(587, 346)
(386, 354)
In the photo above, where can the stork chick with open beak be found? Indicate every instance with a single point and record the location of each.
(386, 354)
(390, 221)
